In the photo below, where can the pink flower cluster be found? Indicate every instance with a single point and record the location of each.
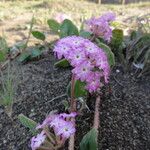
(100, 26)
(38, 140)
(61, 124)
(89, 61)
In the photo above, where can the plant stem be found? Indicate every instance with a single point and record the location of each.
(73, 102)
(72, 109)
(96, 114)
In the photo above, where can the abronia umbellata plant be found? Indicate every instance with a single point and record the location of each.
(89, 65)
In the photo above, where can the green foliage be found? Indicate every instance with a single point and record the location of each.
(85, 34)
(7, 92)
(2, 56)
(67, 28)
(117, 44)
(62, 63)
(3, 49)
(89, 141)
(24, 57)
(28, 123)
(38, 35)
(35, 53)
(79, 89)
(30, 54)
(53, 25)
(7, 89)
(117, 39)
(138, 52)
(108, 52)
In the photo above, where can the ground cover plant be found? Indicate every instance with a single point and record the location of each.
(91, 68)
(86, 89)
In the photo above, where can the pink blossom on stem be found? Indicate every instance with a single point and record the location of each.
(93, 82)
(68, 116)
(100, 26)
(85, 57)
(38, 140)
(83, 70)
(65, 130)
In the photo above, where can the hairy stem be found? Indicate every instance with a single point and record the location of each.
(73, 102)
(96, 114)
(72, 109)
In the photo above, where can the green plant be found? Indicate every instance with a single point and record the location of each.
(89, 141)
(117, 44)
(3, 49)
(138, 53)
(28, 123)
(7, 89)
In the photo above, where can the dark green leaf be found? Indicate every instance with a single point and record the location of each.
(2, 56)
(3, 45)
(67, 28)
(53, 25)
(24, 57)
(79, 89)
(89, 141)
(117, 38)
(85, 34)
(38, 35)
(35, 53)
(62, 63)
(28, 123)
(109, 53)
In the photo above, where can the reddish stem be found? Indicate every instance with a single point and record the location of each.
(73, 102)
(72, 109)
(96, 114)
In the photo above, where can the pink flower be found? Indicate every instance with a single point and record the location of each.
(77, 56)
(93, 82)
(60, 17)
(46, 122)
(65, 130)
(37, 141)
(90, 48)
(85, 57)
(68, 116)
(57, 122)
(110, 16)
(83, 70)
(61, 50)
(100, 26)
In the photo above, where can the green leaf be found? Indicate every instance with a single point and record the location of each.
(117, 38)
(53, 25)
(35, 53)
(28, 123)
(3, 45)
(2, 56)
(79, 89)
(67, 28)
(85, 34)
(109, 53)
(62, 63)
(89, 141)
(24, 57)
(38, 35)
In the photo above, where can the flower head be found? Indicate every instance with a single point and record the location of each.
(68, 116)
(85, 57)
(65, 130)
(93, 82)
(110, 16)
(38, 140)
(100, 26)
